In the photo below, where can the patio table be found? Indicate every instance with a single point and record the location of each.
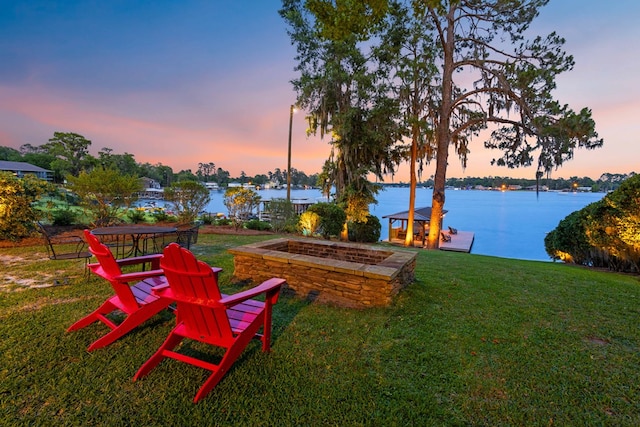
(139, 236)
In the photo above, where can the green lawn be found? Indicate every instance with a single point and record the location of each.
(475, 340)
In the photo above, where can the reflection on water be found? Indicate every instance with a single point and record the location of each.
(509, 224)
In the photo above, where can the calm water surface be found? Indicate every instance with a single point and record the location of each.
(509, 224)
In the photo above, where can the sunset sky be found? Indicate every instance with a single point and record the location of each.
(184, 82)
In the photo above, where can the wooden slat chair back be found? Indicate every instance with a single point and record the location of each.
(136, 301)
(206, 315)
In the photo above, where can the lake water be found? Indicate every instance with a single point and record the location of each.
(510, 224)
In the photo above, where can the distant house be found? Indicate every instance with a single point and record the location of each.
(20, 169)
(150, 183)
(584, 189)
(151, 189)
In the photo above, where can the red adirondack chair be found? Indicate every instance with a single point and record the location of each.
(206, 315)
(136, 301)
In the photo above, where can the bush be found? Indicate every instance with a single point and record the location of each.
(104, 192)
(366, 232)
(160, 215)
(223, 221)
(188, 198)
(568, 241)
(240, 202)
(136, 216)
(282, 215)
(602, 234)
(256, 224)
(17, 196)
(309, 223)
(332, 218)
(64, 216)
(207, 218)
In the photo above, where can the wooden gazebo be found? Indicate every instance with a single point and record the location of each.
(398, 223)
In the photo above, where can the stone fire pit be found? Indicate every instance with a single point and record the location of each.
(346, 274)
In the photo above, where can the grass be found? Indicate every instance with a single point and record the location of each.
(475, 340)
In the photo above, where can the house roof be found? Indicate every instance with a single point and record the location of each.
(20, 166)
(420, 214)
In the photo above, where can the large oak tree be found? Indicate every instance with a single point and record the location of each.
(472, 71)
(490, 75)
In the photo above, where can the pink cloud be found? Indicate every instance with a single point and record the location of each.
(255, 143)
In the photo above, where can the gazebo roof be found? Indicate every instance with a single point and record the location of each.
(420, 214)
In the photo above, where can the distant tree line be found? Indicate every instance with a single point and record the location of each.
(606, 182)
(67, 154)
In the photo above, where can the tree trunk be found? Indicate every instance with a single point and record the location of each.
(415, 131)
(443, 134)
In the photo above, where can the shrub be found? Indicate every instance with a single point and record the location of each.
(63, 216)
(136, 216)
(367, 232)
(282, 215)
(207, 218)
(567, 242)
(104, 192)
(602, 234)
(332, 218)
(256, 224)
(189, 198)
(309, 223)
(17, 195)
(160, 215)
(223, 221)
(240, 203)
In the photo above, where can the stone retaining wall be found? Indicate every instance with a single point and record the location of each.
(352, 275)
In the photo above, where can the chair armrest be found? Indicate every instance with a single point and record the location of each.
(159, 288)
(163, 291)
(138, 275)
(270, 287)
(154, 259)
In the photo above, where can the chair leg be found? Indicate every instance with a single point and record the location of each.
(168, 345)
(130, 322)
(225, 364)
(266, 330)
(229, 358)
(95, 316)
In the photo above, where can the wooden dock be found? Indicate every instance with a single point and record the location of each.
(460, 242)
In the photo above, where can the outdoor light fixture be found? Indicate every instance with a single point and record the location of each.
(292, 110)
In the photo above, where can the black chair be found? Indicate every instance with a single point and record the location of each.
(187, 234)
(64, 248)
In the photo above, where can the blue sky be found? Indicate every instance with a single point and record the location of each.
(183, 82)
